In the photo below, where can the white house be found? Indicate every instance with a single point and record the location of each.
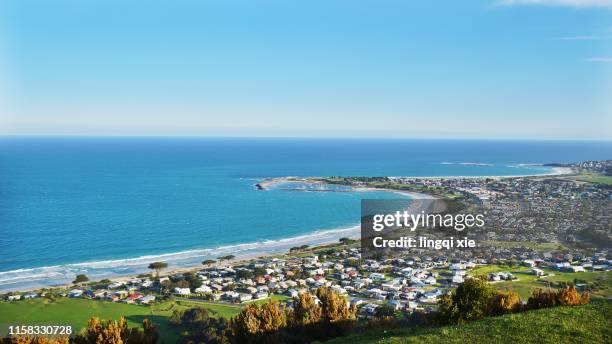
(182, 291)
(147, 299)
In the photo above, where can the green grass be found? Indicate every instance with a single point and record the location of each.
(216, 309)
(76, 312)
(590, 323)
(526, 282)
(594, 178)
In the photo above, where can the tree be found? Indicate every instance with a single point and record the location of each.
(335, 307)
(505, 302)
(259, 271)
(193, 280)
(345, 241)
(471, 300)
(567, 296)
(244, 274)
(273, 317)
(165, 286)
(111, 331)
(209, 262)
(384, 311)
(80, 278)
(158, 266)
(182, 284)
(246, 326)
(305, 310)
(259, 324)
(228, 257)
(195, 315)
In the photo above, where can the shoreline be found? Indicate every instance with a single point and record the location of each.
(555, 171)
(60, 276)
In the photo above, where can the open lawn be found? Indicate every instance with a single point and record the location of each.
(76, 312)
(527, 282)
(594, 178)
(590, 323)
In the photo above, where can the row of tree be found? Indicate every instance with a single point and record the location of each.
(326, 314)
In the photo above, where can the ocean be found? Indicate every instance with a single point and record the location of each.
(107, 206)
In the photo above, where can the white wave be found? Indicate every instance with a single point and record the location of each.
(32, 278)
(466, 163)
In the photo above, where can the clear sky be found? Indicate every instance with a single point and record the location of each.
(380, 68)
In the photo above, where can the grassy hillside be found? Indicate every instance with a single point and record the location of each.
(590, 323)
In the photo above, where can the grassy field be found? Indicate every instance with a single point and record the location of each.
(76, 312)
(527, 282)
(594, 178)
(590, 323)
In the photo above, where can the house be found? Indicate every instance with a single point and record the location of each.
(375, 276)
(30, 296)
(116, 285)
(457, 279)
(261, 295)
(147, 299)
(245, 297)
(574, 268)
(132, 298)
(376, 293)
(369, 309)
(529, 263)
(99, 294)
(182, 291)
(14, 297)
(397, 305)
(121, 293)
(203, 289)
(356, 302)
(292, 293)
(75, 293)
(537, 272)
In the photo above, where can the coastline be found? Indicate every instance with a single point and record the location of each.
(59, 276)
(554, 171)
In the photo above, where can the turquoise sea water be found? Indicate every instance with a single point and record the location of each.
(108, 206)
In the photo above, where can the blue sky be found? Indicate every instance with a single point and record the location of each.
(495, 69)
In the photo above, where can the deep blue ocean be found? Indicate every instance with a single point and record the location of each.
(108, 206)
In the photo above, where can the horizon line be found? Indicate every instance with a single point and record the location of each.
(178, 136)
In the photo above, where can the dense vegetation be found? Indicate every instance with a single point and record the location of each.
(325, 315)
(590, 323)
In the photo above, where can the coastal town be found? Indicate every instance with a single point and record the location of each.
(521, 254)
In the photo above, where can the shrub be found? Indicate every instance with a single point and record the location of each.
(471, 300)
(567, 296)
(385, 311)
(505, 302)
(259, 324)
